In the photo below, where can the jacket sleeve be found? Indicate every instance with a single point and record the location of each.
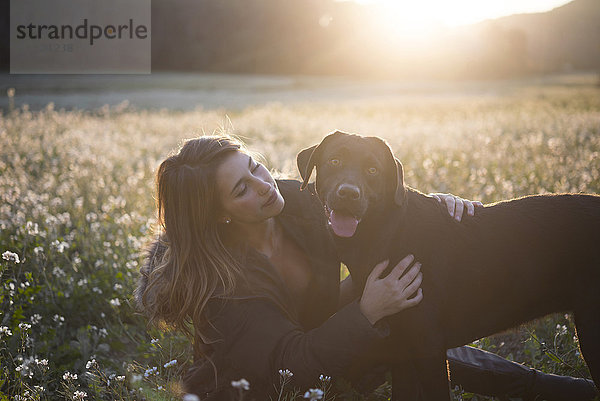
(259, 339)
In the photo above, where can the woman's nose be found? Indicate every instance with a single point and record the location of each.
(263, 187)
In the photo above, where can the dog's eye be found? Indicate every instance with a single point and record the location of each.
(372, 170)
(334, 162)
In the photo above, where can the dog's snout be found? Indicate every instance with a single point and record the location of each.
(348, 191)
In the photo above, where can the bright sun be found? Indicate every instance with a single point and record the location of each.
(415, 18)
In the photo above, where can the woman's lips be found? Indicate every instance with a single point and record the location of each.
(271, 199)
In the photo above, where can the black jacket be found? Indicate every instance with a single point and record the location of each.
(261, 329)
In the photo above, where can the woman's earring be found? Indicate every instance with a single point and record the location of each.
(227, 221)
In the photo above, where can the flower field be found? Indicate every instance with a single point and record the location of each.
(77, 207)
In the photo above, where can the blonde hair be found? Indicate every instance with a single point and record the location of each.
(196, 264)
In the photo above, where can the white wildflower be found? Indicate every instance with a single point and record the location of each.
(32, 228)
(91, 364)
(24, 326)
(170, 363)
(61, 248)
(69, 376)
(51, 221)
(36, 318)
(151, 371)
(325, 378)
(117, 287)
(24, 368)
(5, 331)
(115, 302)
(241, 384)
(314, 394)
(11, 257)
(58, 272)
(38, 249)
(561, 330)
(79, 395)
(286, 374)
(60, 245)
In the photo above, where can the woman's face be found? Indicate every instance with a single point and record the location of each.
(247, 191)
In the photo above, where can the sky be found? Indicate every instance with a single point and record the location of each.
(458, 12)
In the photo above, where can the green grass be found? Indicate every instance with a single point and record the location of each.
(76, 191)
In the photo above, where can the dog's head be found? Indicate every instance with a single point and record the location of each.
(354, 174)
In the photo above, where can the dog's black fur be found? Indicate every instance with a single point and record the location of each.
(512, 262)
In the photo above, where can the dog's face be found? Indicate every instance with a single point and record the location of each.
(354, 175)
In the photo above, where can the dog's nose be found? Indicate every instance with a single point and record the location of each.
(347, 191)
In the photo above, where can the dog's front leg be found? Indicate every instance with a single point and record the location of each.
(433, 376)
(405, 382)
(421, 380)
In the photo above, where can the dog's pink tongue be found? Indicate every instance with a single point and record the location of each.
(343, 224)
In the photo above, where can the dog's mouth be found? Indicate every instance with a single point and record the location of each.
(342, 222)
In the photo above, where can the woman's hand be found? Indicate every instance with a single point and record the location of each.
(456, 205)
(385, 296)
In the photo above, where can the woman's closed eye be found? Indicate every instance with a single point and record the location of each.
(244, 187)
(242, 191)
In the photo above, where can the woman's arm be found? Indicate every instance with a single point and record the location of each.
(259, 338)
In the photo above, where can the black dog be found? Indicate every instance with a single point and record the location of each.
(511, 262)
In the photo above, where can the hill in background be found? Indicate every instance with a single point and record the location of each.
(345, 38)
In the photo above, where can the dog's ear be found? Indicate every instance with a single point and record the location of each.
(303, 160)
(400, 194)
(307, 158)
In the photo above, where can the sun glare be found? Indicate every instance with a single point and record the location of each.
(417, 17)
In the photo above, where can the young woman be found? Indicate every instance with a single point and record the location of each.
(246, 268)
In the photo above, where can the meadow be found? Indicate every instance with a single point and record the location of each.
(77, 208)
